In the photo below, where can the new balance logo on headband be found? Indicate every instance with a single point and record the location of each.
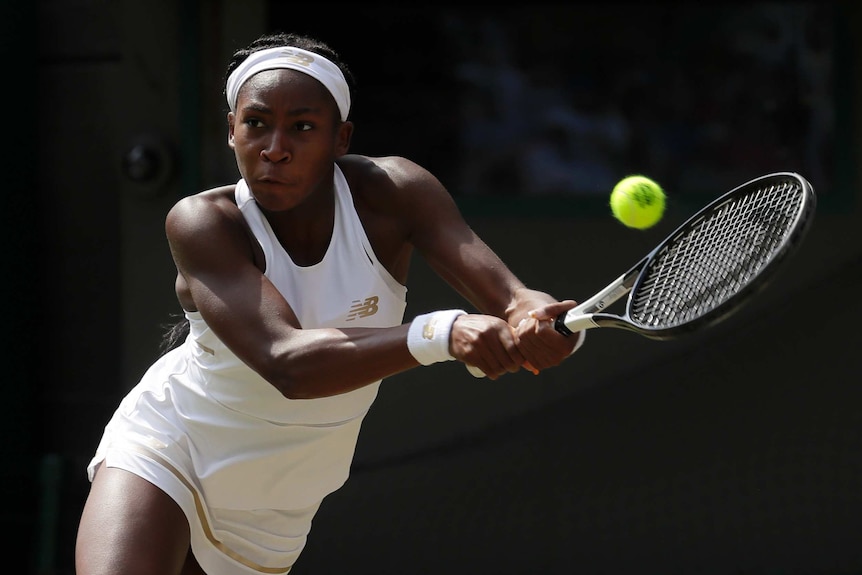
(291, 58)
(363, 308)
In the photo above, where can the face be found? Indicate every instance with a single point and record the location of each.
(286, 134)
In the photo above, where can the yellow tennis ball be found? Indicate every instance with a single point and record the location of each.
(637, 202)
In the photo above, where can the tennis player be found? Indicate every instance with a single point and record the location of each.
(293, 287)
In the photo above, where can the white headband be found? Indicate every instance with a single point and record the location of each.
(291, 58)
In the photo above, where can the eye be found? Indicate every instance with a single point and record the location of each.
(254, 123)
(304, 126)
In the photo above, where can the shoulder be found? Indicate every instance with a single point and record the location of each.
(209, 227)
(396, 194)
(395, 171)
(207, 212)
(388, 180)
(212, 203)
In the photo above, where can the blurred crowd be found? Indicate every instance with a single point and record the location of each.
(569, 99)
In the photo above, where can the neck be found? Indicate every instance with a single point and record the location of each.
(306, 230)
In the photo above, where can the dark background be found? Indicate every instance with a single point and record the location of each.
(733, 451)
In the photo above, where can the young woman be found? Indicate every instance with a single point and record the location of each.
(292, 282)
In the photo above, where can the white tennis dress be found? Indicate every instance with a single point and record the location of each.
(248, 466)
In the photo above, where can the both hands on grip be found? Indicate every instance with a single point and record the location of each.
(491, 347)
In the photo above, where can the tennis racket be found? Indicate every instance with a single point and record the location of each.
(708, 267)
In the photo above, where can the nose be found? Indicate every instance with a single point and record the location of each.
(277, 149)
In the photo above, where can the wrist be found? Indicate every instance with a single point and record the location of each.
(429, 334)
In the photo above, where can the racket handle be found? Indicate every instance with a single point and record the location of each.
(563, 323)
(570, 323)
(476, 372)
(560, 325)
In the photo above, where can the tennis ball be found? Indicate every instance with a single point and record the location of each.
(637, 202)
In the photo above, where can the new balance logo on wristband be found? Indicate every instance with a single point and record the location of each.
(428, 330)
(428, 336)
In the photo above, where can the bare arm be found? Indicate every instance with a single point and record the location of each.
(213, 255)
(459, 256)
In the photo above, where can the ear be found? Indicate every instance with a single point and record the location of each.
(231, 119)
(342, 139)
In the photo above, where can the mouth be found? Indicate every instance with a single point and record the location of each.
(274, 180)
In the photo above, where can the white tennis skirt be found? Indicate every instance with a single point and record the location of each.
(249, 486)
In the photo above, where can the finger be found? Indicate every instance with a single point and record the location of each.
(542, 344)
(539, 357)
(525, 364)
(501, 356)
(489, 348)
(552, 310)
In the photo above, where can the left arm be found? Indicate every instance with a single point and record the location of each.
(457, 254)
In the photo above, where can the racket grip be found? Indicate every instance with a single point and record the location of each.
(476, 372)
(560, 325)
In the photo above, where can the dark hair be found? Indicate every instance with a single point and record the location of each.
(175, 333)
(277, 39)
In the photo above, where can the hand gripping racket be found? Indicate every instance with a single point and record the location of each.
(709, 266)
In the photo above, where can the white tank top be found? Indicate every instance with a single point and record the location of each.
(249, 466)
(309, 443)
(349, 287)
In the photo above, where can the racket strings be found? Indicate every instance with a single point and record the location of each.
(716, 256)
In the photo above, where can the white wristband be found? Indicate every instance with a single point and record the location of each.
(428, 337)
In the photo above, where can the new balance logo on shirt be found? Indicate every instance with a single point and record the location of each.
(363, 308)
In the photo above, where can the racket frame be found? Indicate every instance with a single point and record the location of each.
(589, 314)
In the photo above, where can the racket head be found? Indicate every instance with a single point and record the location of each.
(715, 260)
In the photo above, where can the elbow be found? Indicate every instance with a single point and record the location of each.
(289, 381)
(298, 392)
